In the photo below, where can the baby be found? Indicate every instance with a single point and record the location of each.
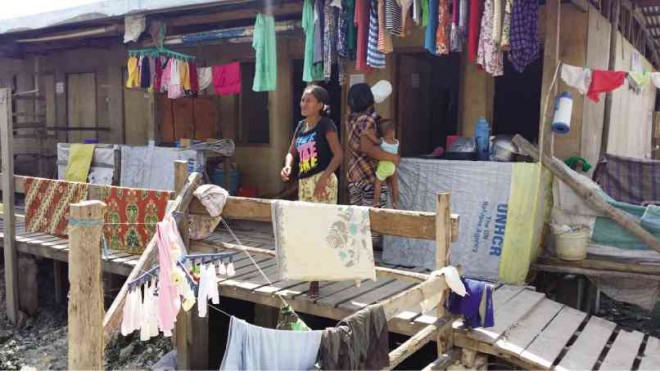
(386, 170)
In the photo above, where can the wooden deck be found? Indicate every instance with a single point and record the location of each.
(530, 330)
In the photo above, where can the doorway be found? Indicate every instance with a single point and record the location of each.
(333, 88)
(427, 101)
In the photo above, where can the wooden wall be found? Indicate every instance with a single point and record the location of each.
(631, 122)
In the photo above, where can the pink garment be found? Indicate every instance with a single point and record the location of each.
(174, 88)
(165, 76)
(168, 297)
(227, 79)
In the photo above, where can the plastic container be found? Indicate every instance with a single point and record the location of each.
(218, 178)
(561, 122)
(482, 139)
(572, 245)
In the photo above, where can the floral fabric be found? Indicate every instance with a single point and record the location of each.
(334, 245)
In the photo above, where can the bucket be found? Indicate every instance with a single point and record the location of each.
(572, 245)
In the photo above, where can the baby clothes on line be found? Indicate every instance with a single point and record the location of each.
(603, 82)
(204, 77)
(208, 289)
(576, 77)
(252, 347)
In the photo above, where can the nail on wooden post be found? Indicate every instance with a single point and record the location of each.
(8, 189)
(443, 230)
(86, 348)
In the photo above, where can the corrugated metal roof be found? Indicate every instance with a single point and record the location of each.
(96, 11)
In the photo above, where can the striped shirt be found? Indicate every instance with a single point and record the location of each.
(393, 17)
(375, 58)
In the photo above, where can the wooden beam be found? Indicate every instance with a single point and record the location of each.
(413, 224)
(550, 64)
(446, 360)
(414, 296)
(233, 15)
(596, 272)
(85, 328)
(595, 200)
(113, 317)
(417, 341)
(616, 11)
(11, 262)
(602, 265)
(381, 272)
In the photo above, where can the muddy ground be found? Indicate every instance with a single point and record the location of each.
(41, 342)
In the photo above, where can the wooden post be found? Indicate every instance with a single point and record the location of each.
(86, 347)
(550, 60)
(443, 230)
(616, 10)
(191, 331)
(9, 240)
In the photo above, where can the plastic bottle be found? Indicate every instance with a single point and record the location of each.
(482, 139)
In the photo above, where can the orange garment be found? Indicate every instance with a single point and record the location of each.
(133, 80)
(442, 36)
(184, 75)
(384, 37)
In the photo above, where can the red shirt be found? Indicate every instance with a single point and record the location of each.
(474, 25)
(362, 24)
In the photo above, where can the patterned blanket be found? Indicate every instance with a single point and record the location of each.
(47, 204)
(333, 245)
(629, 180)
(131, 217)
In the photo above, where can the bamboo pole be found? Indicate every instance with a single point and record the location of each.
(113, 317)
(594, 200)
(8, 189)
(85, 326)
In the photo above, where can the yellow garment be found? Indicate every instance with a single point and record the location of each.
(133, 73)
(306, 187)
(184, 75)
(527, 211)
(80, 160)
(641, 78)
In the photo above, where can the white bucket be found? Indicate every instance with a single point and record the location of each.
(572, 245)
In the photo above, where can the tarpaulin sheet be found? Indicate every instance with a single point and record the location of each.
(480, 195)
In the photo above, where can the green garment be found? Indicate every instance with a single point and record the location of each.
(311, 71)
(572, 162)
(289, 320)
(265, 47)
(425, 13)
(352, 30)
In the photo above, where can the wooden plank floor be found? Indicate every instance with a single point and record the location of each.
(48, 246)
(530, 330)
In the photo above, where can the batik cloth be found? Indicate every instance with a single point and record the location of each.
(47, 204)
(131, 217)
(523, 34)
(335, 246)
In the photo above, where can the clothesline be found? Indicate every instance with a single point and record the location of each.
(155, 52)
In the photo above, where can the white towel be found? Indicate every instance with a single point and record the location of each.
(133, 27)
(576, 77)
(204, 77)
(317, 242)
(655, 77)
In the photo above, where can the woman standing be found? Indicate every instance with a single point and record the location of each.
(315, 148)
(364, 155)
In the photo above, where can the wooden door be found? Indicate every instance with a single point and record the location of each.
(183, 118)
(81, 105)
(204, 112)
(138, 117)
(165, 119)
(413, 109)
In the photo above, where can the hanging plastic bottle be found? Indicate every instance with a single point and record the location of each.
(561, 122)
(482, 139)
